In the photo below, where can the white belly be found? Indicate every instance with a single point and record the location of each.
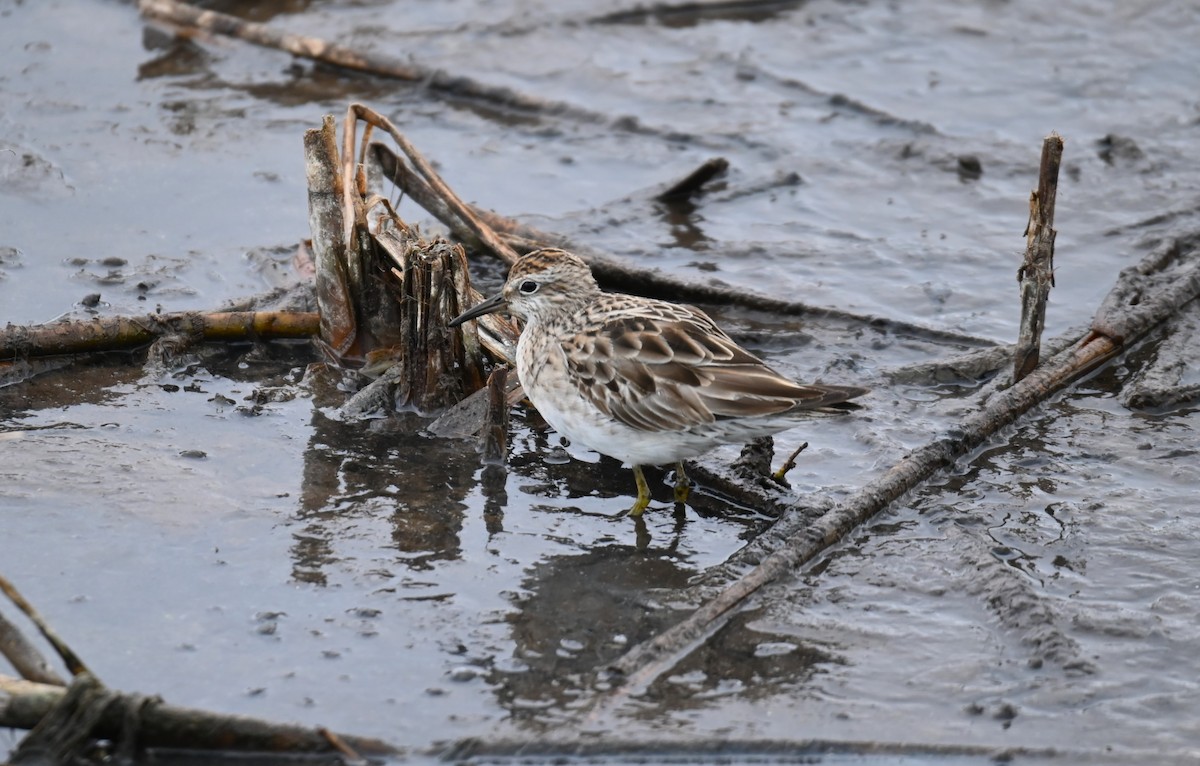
(543, 376)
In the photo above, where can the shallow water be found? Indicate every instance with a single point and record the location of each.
(217, 534)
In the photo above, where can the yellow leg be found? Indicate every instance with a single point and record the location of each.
(643, 498)
(682, 485)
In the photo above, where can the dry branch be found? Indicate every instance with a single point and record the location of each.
(1174, 270)
(122, 333)
(712, 749)
(1036, 274)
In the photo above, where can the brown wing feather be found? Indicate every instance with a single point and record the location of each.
(678, 370)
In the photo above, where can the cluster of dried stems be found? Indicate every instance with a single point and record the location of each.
(384, 295)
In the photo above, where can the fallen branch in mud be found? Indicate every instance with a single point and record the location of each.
(693, 182)
(1145, 295)
(188, 16)
(1019, 606)
(1160, 384)
(1036, 274)
(123, 333)
(25, 705)
(708, 749)
(693, 11)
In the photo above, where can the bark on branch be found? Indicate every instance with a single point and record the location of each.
(1036, 274)
(122, 333)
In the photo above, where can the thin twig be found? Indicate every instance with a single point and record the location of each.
(691, 12)
(335, 740)
(495, 429)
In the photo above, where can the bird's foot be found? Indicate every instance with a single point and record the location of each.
(683, 485)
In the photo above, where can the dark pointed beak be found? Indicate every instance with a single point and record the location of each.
(493, 304)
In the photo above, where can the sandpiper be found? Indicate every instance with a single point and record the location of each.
(644, 381)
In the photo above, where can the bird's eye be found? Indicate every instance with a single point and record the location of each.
(528, 287)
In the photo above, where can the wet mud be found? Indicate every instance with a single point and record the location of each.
(216, 531)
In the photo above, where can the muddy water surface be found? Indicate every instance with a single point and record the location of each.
(216, 533)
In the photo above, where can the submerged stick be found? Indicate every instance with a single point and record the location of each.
(1036, 274)
(700, 747)
(123, 333)
(693, 182)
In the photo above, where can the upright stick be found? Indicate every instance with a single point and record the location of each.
(1036, 274)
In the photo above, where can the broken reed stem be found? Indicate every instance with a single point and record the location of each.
(328, 226)
(1149, 293)
(123, 333)
(451, 202)
(23, 704)
(1036, 274)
